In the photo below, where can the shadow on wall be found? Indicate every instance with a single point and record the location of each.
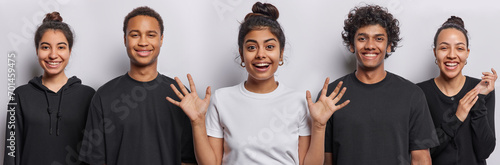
(429, 68)
(34, 70)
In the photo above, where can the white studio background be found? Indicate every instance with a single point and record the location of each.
(201, 38)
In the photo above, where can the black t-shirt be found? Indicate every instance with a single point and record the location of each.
(382, 124)
(131, 122)
(464, 143)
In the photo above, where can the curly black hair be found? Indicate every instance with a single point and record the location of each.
(371, 15)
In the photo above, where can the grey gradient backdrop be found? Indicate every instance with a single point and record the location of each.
(201, 38)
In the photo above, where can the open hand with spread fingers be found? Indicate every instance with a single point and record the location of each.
(487, 83)
(323, 109)
(194, 107)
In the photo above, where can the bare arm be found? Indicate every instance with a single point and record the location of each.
(321, 111)
(208, 150)
(328, 158)
(421, 157)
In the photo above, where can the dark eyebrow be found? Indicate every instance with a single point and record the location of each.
(250, 40)
(446, 43)
(64, 43)
(364, 34)
(460, 43)
(131, 31)
(270, 39)
(44, 43)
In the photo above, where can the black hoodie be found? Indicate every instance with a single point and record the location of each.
(44, 127)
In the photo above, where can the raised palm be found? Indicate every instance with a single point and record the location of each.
(324, 108)
(194, 107)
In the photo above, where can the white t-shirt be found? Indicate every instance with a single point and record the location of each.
(258, 128)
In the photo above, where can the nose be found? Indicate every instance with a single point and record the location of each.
(143, 41)
(53, 54)
(370, 45)
(452, 54)
(261, 53)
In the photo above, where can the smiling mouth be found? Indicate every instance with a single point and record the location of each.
(451, 64)
(143, 52)
(370, 55)
(261, 65)
(53, 64)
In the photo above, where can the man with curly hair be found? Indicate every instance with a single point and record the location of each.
(388, 121)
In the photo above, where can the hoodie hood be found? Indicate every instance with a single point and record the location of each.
(55, 109)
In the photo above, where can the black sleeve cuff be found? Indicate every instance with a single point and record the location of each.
(479, 109)
(451, 125)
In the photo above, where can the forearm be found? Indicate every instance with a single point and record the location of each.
(316, 151)
(421, 157)
(203, 150)
(483, 138)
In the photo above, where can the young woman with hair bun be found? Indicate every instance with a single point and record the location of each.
(462, 107)
(258, 121)
(47, 116)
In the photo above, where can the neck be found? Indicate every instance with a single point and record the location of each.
(450, 86)
(143, 73)
(261, 86)
(54, 82)
(371, 76)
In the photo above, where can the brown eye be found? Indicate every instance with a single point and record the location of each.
(251, 47)
(270, 46)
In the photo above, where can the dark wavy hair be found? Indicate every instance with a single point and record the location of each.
(455, 23)
(264, 15)
(371, 15)
(146, 11)
(54, 21)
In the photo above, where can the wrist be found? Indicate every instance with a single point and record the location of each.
(461, 115)
(318, 125)
(198, 121)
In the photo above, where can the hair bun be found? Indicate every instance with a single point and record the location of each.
(54, 16)
(266, 9)
(455, 20)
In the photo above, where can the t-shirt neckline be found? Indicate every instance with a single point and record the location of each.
(269, 95)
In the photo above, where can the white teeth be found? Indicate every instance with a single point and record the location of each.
(451, 64)
(53, 63)
(370, 55)
(262, 64)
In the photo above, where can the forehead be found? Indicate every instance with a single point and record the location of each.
(371, 30)
(53, 35)
(451, 35)
(260, 34)
(143, 23)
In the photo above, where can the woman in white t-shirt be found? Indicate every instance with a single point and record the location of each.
(259, 121)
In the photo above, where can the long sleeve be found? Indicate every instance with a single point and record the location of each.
(447, 130)
(483, 125)
(13, 132)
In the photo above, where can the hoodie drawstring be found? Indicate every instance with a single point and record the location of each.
(59, 111)
(49, 110)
